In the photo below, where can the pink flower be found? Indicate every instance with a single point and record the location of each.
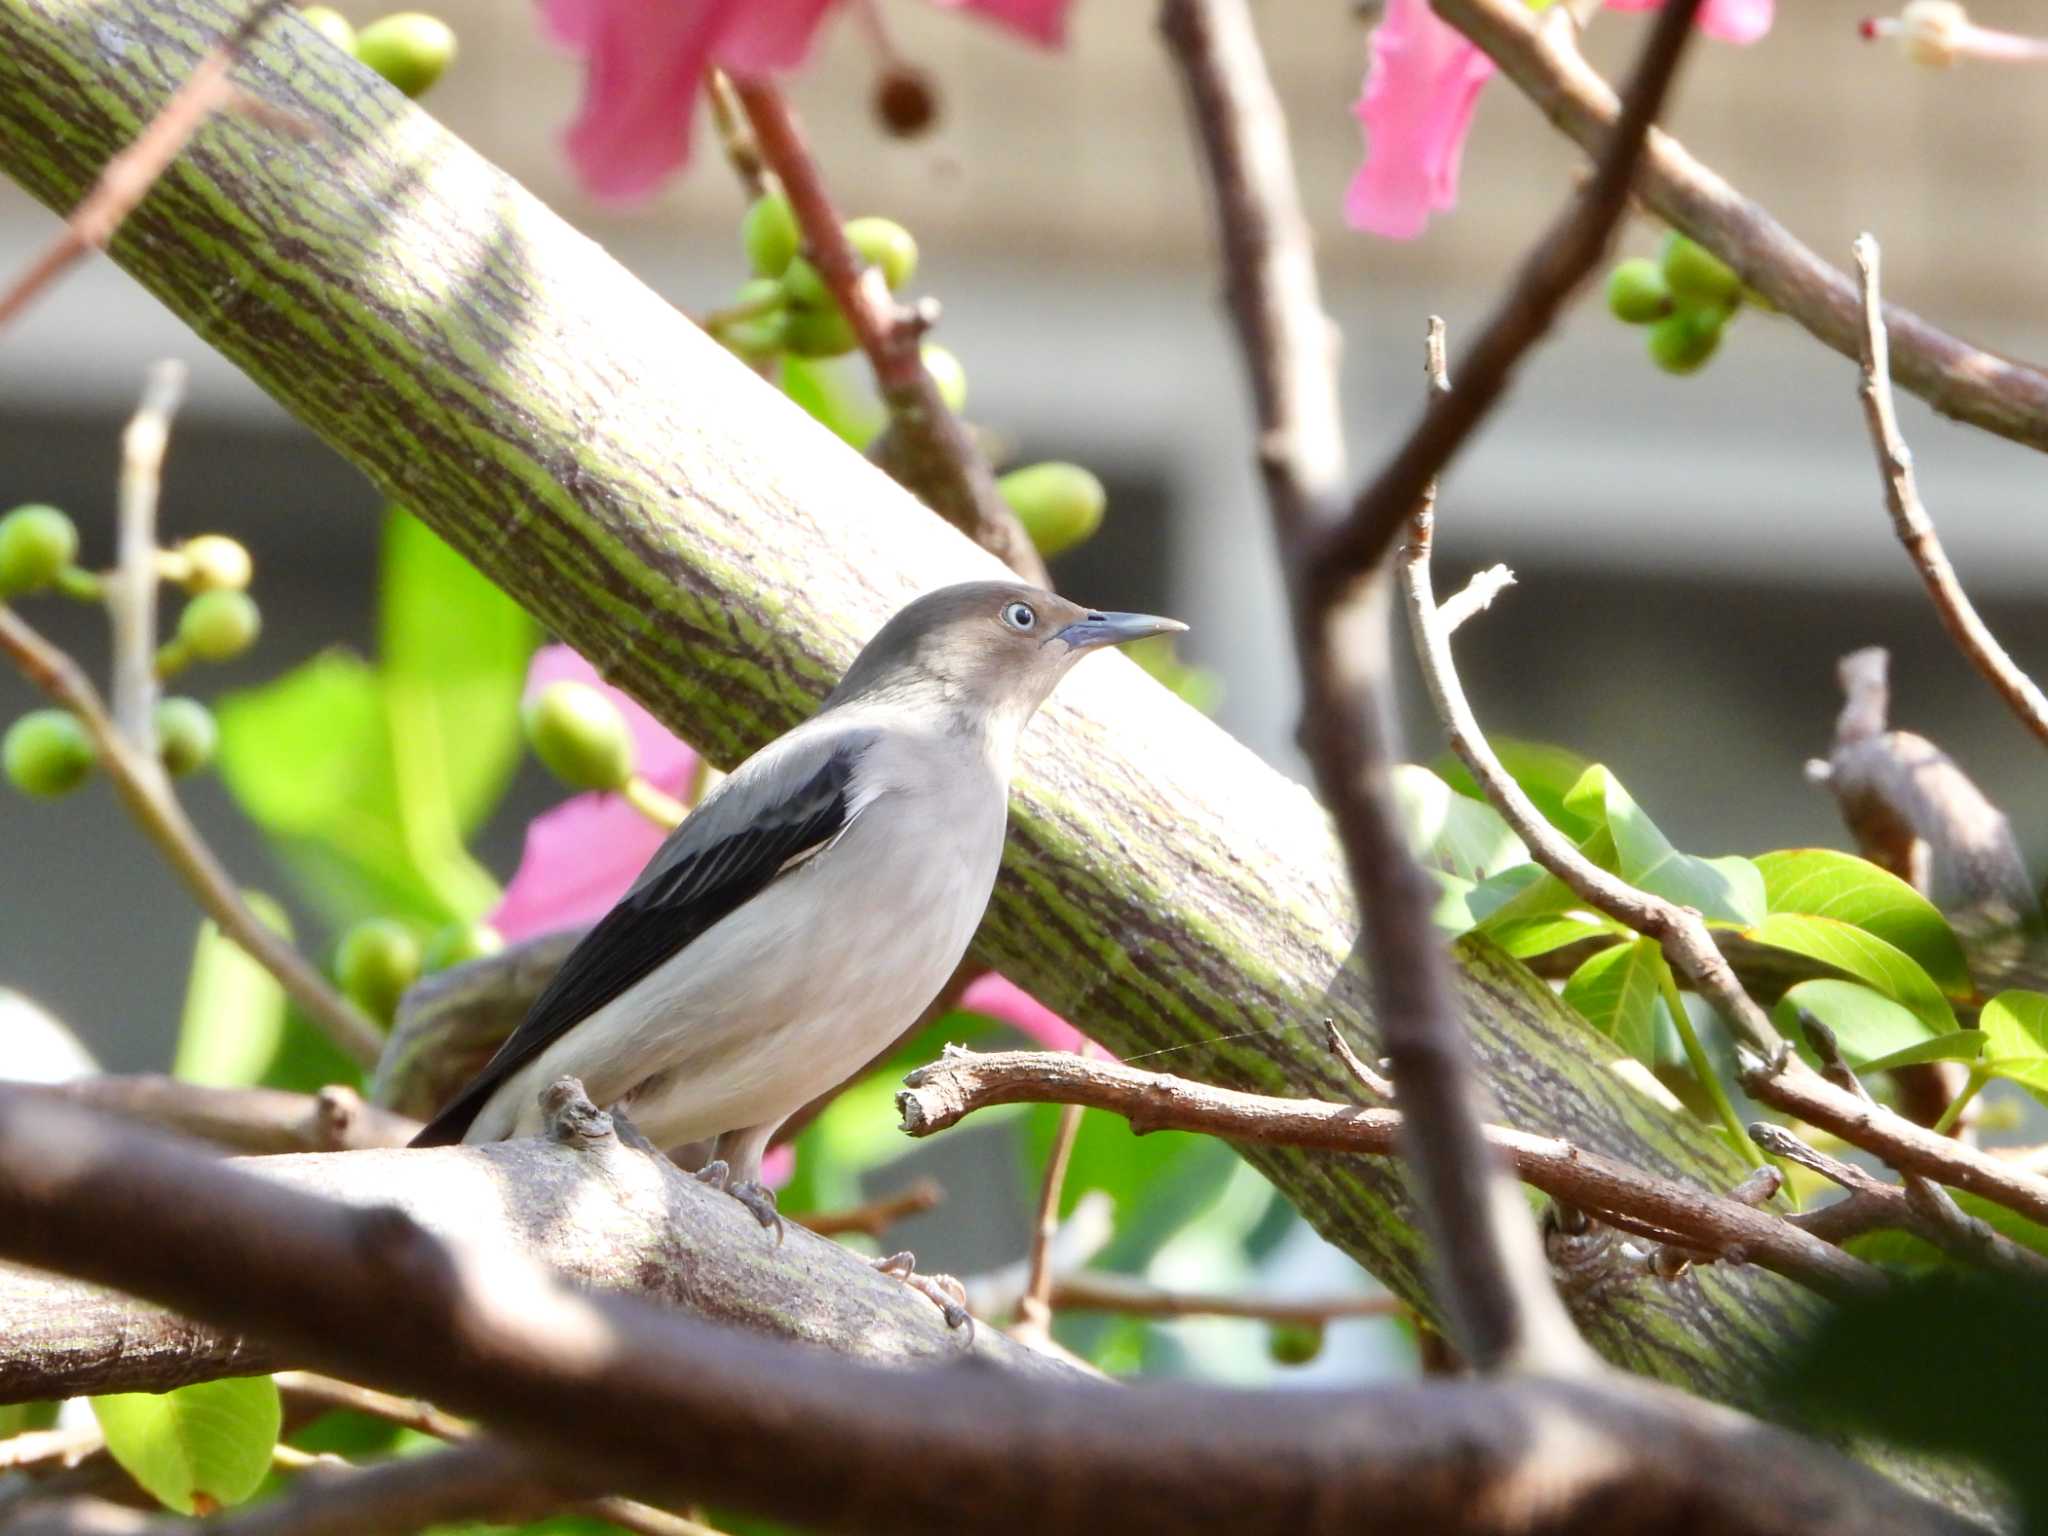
(581, 856)
(1002, 999)
(1421, 86)
(645, 61)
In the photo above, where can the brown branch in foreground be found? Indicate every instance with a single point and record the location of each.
(247, 1120)
(663, 1405)
(1568, 251)
(962, 1082)
(1540, 54)
(140, 783)
(931, 451)
(129, 175)
(1494, 1281)
(1915, 528)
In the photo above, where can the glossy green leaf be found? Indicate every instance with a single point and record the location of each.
(1823, 882)
(199, 1448)
(1450, 832)
(1862, 955)
(234, 1011)
(1546, 774)
(453, 651)
(1618, 992)
(2015, 1024)
(1867, 1026)
(1958, 1045)
(1527, 937)
(1452, 911)
(1728, 890)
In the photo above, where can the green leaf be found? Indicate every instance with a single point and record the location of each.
(1868, 1027)
(198, 1448)
(1527, 937)
(453, 653)
(234, 1012)
(1862, 955)
(1448, 832)
(1960, 1045)
(1617, 990)
(1823, 882)
(1728, 890)
(1546, 774)
(2015, 1024)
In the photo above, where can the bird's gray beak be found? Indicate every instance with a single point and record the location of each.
(1100, 629)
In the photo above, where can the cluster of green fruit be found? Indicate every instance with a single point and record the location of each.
(410, 48)
(1686, 296)
(786, 306)
(49, 752)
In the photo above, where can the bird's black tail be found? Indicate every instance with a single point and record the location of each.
(449, 1127)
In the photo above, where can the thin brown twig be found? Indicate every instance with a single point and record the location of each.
(1371, 1081)
(1094, 1290)
(1033, 1322)
(1915, 528)
(246, 1120)
(961, 1082)
(726, 120)
(139, 782)
(130, 592)
(874, 1217)
(1560, 261)
(129, 175)
(934, 455)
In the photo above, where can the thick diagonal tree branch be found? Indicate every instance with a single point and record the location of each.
(666, 1406)
(721, 556)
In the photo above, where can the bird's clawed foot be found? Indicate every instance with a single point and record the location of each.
(942, 1291)
(756, 1197)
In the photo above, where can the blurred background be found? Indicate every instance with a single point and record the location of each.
(1693, 553)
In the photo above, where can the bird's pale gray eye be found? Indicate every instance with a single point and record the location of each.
(1020, 617)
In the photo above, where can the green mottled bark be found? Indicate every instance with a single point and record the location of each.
(720, 556)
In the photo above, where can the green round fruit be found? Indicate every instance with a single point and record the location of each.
(1680, 343)
(461, 943)
(378, 959)
(819, 332)
(947, 374)
(36, 543)
(769, 235)
(580, 735)
(216, 562)
(1637, 291)
(763, 336)
(330, 24)
(1294, 1343)
(1697, 276)
(185, 736)
(47, 753)
(886, 244)
(219, 625)
(409, 48)
(805, 285)
(1059, 505)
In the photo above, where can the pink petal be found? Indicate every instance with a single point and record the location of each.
(1002, 999)
(1043, 21)
(770, 35)
(1420, 91)
(1732, 21)
(778, 1166)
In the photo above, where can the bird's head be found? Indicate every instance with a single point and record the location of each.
(992, 650)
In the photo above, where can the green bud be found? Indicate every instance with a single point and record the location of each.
(762, 336)
(36, 543)
(409, 48)
(1294, 1343)
(330, 24)
(378, 959)
(1697, 276)
(216, 563)
(185, 736)
(886, 244)
(1637, 292)
(219, 625)
(819, 332)
(805, 284)
(580, 735)
(1059, 505)
(47, 753)
(769, 235)
(461, 943)
(947, 373)
(1680, 343)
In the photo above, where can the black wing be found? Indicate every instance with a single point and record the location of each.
(726, 853)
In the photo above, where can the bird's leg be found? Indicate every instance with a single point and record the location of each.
(942, 1291)
(630, 1134)
(739, 1157)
